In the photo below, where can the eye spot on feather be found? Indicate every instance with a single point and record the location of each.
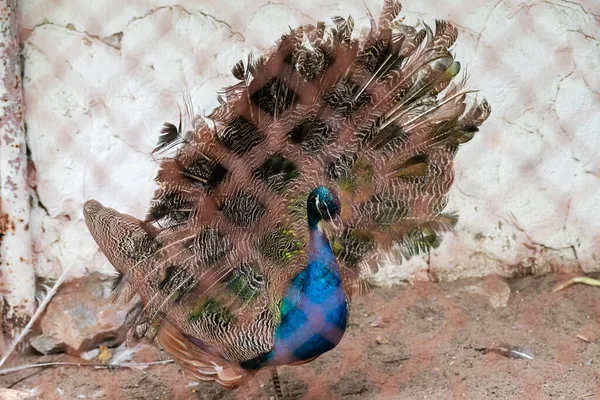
(177, 282)
(246, 282)
(387, 139)
(171, 209)
(372, 57)
(353, 245)
(427, 236)
(240, 136)
(312, 135)
(351, 172)
(212, 311)
(419, 241)
(274, 97)
(346, 97)
(209, 246)
(277, 172)
(311, 63)
(341, 167)
(243, 209)
(414, 168)
(280, 245)
(204, 173)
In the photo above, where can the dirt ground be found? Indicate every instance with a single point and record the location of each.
(424, 341)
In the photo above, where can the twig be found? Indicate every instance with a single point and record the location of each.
(584, 339)
(37, 313)
(83, 364)
(506, 351)
(578, 279)
(15, 383)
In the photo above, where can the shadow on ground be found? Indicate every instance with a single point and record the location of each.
(411, 342)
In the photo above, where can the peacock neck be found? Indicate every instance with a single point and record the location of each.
(313, 220)
(313, 309)
(321, 259)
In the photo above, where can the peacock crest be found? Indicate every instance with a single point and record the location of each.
(376, 118)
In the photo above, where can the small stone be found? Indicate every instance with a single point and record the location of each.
(80, 317)
(381, 340)
(46, 344)
(379, 322)
(104, 354)
(494, 288)
(9, 394)
(90, 355)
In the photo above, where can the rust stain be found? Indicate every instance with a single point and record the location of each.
(25, 34)
(15, 319)
(6, 225)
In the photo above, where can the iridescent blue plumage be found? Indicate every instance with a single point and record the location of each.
(314, 309)
(229, 277)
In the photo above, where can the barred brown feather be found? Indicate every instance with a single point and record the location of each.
(376, 118)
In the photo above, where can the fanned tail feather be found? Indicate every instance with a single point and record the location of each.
(378, 118)
(202, 365)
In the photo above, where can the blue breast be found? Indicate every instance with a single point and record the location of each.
(313, 310)
(313, 317)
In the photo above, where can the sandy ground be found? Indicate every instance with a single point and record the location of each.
(412, 342)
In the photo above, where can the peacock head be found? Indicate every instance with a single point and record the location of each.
(323, 205)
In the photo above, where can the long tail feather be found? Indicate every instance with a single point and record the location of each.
(376, 117)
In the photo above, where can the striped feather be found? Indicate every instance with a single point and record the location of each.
(377, 118)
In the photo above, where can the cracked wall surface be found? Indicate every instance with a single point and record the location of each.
(102, 77)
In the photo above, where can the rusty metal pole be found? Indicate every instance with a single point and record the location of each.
(17, 279)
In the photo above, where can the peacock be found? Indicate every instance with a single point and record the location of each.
(333, 150)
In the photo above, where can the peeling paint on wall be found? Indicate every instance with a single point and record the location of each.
(101, 78)
(17, 280)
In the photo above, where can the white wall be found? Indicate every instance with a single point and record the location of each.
(101, 77)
